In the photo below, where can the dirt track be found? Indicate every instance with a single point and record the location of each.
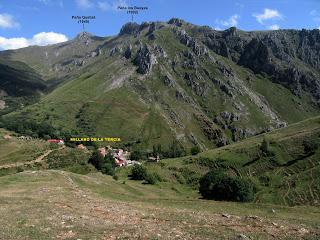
(37, 160)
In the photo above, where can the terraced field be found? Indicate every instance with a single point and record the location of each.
(286, 173)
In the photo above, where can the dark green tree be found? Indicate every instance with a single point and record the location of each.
(175, 150)
(195, 150)
(218, 186)
(109, 165)
(265, 146)
(136, 155)
(97, 160)
(138, 172)
(156, 150)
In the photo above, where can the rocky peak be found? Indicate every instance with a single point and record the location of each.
(130, 28)
(176, 21)
(84, 37)
(231, 31)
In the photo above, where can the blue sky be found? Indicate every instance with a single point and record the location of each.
(41, 22)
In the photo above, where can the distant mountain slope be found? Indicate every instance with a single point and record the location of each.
(59, 60)
(284, 164)
(19, 85)
(19, 80)
(158, 81)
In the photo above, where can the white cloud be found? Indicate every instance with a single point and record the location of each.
(315, 15)
(52, 2)
(41, 39)
(105, 6)
(84, 4)
(46, 2)
(274, 27)
(267, 15)
(12, 43)
(7, 21)
(46, 38)
(231, 22)
(121, 3)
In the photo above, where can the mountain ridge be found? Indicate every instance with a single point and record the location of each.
(209, 88)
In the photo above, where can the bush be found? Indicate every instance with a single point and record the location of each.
(180, 179)
(108, 169)
(265, 146)
(310, 146)
(194, 150)
(210, 163)
(218, 186)
(191, 177)
(19, 169)
(136, 155)
(151, 178)
(138, 172)
(156, 150)
(175, 150)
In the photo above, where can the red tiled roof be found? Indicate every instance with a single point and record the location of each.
(55, 140)
(120, 162)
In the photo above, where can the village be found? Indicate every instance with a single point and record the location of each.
(120, 156)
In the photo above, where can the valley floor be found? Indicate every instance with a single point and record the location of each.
(52, 204)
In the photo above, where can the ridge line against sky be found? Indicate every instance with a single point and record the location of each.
(42, 22)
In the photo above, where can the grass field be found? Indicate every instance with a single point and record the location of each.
(14, 150)
(36, 203)
(61, 205)
(287, 174)
(17, 155)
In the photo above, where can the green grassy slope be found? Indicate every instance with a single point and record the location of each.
(15, 151)
(288, 173)
(59, 204)
(18, 155)
(20, 85)
(107, 97)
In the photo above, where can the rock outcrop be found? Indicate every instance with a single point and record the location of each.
(197, 48)
(128, 52)
(176, 21)
(199, 87)
(144, 59)
(168, 81)
(116, 50)
(290, 57)
(211, 131)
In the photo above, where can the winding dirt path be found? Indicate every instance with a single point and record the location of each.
(37, 160)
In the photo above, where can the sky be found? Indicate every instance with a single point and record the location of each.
(42, 22)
